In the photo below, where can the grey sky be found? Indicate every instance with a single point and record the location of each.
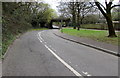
(54, 3)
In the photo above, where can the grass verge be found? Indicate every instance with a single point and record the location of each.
(7, 42)
(37, 29)
(98, 35)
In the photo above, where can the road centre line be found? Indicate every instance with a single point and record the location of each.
(40, 36)
(39, 39)
(62, 61)
(88, 75)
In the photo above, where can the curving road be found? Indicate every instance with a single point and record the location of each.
(41, 53)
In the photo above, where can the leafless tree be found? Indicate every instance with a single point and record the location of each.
(106, 11)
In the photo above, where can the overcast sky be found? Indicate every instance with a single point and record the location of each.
(54, 3)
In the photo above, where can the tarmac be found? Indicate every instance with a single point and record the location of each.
(102, 46)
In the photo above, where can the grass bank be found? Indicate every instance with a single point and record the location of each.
(98, 35)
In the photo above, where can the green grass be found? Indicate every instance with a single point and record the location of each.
(37, 29)
(5, 43)
(100, 36)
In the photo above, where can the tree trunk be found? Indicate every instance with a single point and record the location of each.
(74, 21)
(74, 27)
(73, 16)
(108, 17)
(50, 25)
(110, 25)
(111, 29)
(78, 16)
(78, 28)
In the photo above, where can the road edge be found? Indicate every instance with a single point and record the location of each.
(92, 46)
(17, 37)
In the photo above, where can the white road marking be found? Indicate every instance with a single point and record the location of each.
(39, 39)
(62, 61)
(40, 36)
(86, 73)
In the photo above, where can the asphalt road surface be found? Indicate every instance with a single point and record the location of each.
(41, 53)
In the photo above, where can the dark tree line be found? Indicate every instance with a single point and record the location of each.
(18, 17)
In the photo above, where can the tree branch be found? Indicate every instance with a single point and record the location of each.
(114, 6)
(100, 8)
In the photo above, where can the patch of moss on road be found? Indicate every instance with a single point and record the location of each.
(98, 35)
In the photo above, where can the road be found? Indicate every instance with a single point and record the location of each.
(41, 53)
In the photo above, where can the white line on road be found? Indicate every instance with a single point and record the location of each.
(86, 73)
(62, 61)
(40, 36)
(39, 39)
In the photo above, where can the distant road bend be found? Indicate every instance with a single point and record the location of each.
(41, 53)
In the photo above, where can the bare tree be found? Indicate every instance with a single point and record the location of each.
(106, 11)
(68, 10)
(75, 10)
(83, 9)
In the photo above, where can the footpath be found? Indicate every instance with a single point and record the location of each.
(104, 47)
